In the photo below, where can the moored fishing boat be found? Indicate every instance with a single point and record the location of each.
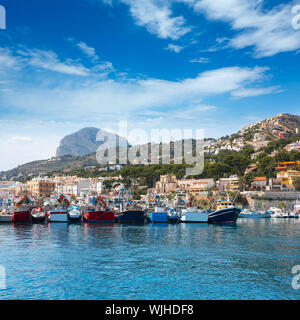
(38, 215)
(245, 213)
(276, 212)
(5, 216)
(74, 213)
(100, 213)
(159, 215)
(173, 216)
(290, 214)
(132, 216)
(297, 208)
(59, 214)
(23, 211)
(156, 212)
(99, 216)
(130, 212)
(21, 216)
(193, 215)
(226, 213)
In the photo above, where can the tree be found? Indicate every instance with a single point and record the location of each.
(266, 167)
(248, 179)
(296, 184)
(281, 205)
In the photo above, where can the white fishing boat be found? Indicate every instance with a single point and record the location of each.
(74, 213)
(297, 208)
(276, 212)
(5, 216)
(193, 215)
(60, 213)
(38, 215)
(290, 214)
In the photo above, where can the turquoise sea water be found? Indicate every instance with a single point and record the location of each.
(252, 260)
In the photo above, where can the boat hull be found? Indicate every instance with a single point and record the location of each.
(21, 216)
(38, 215)
(194, 217)
(58, 216)
(74, 218)
(173, 219)
(131, 217)
(227, 215)
(6, 218)
(255, 215)
(158, 217)
(38, 219)
(99, 217)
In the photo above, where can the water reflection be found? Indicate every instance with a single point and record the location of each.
(251, 260)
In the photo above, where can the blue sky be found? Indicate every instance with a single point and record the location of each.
(216, 65)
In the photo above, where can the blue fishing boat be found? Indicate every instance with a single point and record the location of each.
(225, 213)
(159, 215)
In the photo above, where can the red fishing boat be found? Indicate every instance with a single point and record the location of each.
(100, 213)
(23, 214)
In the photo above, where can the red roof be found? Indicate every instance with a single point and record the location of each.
(260, 179)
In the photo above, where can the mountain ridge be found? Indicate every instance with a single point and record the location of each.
(88, 140)
(258, 135)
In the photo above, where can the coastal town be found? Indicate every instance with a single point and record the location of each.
(258, 168)
(40, 188)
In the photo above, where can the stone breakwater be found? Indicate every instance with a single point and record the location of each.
(273, 199)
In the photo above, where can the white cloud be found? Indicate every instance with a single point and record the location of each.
(174, 48)
(20, 152)
(92, 99)
(188, 113)
(268, 31)
(48, 60)
(156, 17)
(7, 60)
(105, 67)
(254, 92)
(200, 60)
(89, 51)
(21, 139)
